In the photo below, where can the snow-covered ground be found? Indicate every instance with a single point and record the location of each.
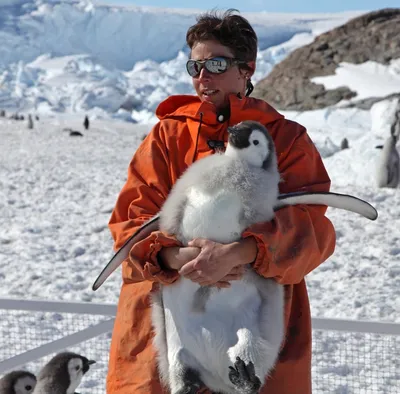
(383, 80)
(57, 192)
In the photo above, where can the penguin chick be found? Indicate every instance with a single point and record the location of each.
(62, 374)
(388, 172)
(17, 382)
(247, 171)
(231, 345)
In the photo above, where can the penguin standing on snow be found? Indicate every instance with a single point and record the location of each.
(18, 382)
(388, 174)
(62, 374)
(229, 339)
(86, 123)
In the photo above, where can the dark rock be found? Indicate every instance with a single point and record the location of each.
(373, 36)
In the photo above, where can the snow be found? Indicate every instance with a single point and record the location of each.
(57, 192)
(383, 80)
(67, 56)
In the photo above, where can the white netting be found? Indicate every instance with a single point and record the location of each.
(343, 362)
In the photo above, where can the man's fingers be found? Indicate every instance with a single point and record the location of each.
(221, 285)
(198, 242)
(188, 268)
(194, 275)
(230, 277)
(205, 282)
(239, 270)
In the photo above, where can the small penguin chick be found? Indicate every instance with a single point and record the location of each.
(250, 141)
(217, 198)
(17, 382)
(62, 374)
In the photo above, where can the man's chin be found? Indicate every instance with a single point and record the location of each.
(216, 101)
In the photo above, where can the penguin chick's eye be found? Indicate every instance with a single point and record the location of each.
(28, 387)
(256, 142)
(77, 368)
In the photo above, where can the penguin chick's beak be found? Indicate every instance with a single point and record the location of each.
(237, 138)
(87, 365)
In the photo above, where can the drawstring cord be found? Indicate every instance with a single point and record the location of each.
(197, 138)
(249, 87)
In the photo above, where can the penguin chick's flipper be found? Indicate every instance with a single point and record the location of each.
(122, 254)
(191, 382)
(244, 377)
(330, 199)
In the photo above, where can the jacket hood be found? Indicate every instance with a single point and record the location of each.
(240, 109)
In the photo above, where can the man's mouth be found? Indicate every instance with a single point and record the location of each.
(209, 92)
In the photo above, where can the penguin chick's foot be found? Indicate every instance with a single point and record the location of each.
(192, 382)
(189, 390)
(244, 377)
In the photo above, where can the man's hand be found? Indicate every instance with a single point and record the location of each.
(235, 274)
(217, 262)
(176, 257)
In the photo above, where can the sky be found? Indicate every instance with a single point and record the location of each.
(306, 6)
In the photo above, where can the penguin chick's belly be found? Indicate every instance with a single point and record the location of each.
(207, 336)
(212, 216)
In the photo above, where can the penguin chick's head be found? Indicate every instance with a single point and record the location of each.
(18, 382)
(250, 141)
(66, 368)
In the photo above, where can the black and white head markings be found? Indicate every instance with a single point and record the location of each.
(62, 374)
(17, 382)
(251, 141)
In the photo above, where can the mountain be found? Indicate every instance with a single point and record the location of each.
(300, 81)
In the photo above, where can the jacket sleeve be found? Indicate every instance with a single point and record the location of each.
(300, 237)
(146, 188)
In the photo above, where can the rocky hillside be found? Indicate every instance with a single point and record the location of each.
(373, 36)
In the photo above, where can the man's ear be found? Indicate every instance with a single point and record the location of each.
(249, 70)
(252, 68)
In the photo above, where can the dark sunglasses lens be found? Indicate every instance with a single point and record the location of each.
(217, 65)
(193, 68)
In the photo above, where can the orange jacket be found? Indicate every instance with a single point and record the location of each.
(295, 242)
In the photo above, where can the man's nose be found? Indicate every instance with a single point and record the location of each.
(204, 74)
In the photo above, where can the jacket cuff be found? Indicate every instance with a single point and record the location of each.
(148, 263)
(260, 264)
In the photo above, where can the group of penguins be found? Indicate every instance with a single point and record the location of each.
(76, 133)
(61, 375)
(30, 124)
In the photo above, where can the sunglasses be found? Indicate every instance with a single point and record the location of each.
(216, 65)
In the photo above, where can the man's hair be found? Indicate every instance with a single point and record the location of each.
(230, 30)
